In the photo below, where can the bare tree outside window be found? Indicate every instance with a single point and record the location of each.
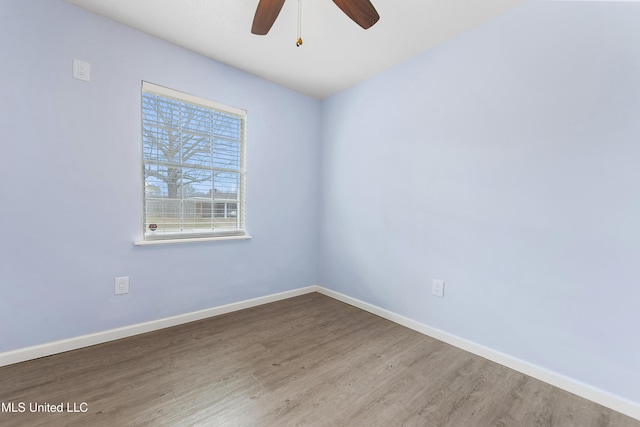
(193, 167)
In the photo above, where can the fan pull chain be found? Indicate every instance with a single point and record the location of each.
(299, 41)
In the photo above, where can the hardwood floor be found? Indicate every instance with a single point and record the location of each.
(309, 360)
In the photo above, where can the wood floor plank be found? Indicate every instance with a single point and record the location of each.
(305, 361)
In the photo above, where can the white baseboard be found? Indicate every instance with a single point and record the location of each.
(578, 388)
(48, 349)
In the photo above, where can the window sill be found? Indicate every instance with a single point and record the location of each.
(192, 240)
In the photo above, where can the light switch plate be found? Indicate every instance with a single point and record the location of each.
(437, 288)
(122, 285)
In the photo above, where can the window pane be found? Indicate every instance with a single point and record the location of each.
(226, 154)
(155, 180)
(163, 215)
(226, 185)
(196, 183)
(196, 130)
(197, 215)
(161, 129)
(228, 126)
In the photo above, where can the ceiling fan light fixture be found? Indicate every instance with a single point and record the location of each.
(361, 12)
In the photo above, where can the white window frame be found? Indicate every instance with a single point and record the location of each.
(233, 226)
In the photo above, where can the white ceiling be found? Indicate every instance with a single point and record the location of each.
(336, 52)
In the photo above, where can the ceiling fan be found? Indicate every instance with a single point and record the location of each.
(361, 12)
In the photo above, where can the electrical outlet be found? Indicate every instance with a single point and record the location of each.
(122, 285)
(81, 70)
(437, 288)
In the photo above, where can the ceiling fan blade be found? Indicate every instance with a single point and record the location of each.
(266, 14)
(361, 12)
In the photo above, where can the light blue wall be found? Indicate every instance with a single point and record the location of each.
(504, 162)
(507, 163)
(70, 180)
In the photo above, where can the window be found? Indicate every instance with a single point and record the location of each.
(193, 161)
